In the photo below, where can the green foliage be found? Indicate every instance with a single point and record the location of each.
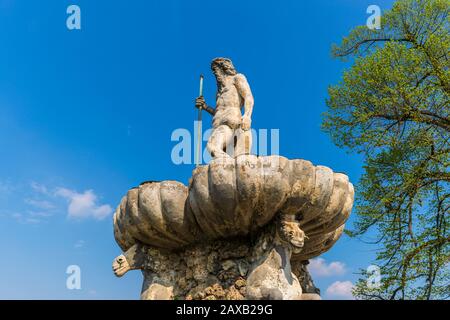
(392, 106)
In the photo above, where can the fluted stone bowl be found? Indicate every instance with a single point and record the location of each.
(235, 197)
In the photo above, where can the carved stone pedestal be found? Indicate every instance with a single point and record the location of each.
(238, 268)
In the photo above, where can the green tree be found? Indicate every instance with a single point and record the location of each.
(392, 106)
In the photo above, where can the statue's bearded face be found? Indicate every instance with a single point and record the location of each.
(223, 67)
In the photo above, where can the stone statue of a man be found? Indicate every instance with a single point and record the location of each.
(231, 135)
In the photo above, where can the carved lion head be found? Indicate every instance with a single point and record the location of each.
(289, 231)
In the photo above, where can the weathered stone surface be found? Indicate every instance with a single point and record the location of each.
(244, 228)
(272, 278)
(177, 230)
(232, 269)
(235, 199)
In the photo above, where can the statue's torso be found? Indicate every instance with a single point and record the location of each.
(228, 105)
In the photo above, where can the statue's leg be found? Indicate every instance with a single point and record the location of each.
(310, 296)
(243, 142)
(220, 138)
(155, 288)
(271, 277)
(310, 291)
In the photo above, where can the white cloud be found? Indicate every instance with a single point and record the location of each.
(340, 290)
(40, 214)
(319, 268)
(17, 216)
(84, 205)
(32, 220)
(41, 204)
(79, 244)
(5, 188)
(20, 218)
(39, 188)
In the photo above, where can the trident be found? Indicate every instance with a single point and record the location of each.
(199, 127)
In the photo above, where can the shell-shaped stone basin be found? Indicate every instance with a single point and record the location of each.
(235, 197)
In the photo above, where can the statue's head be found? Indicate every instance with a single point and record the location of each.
(289, 231)
(120, 266)
(223, 66)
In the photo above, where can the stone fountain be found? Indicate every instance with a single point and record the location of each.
(244, 228)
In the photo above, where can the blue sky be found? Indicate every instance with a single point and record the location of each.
(87, 114)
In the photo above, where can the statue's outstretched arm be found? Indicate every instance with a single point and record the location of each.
(210, 110)
(245, 92)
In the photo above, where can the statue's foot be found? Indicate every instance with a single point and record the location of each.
(221, 155)
(155, 288)
(310, 296)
